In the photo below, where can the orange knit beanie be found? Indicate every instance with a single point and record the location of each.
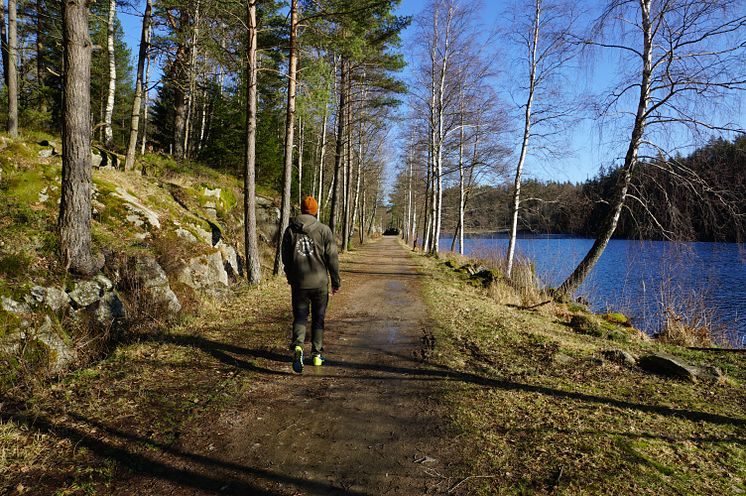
(309, 206)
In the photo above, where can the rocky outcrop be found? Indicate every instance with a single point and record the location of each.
(143, 276)
(204, 272)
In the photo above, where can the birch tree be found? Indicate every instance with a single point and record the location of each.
(684, 59)
(109, 112)
(137, 102)
(545, 39)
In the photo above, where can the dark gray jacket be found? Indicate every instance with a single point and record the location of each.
(309, 252)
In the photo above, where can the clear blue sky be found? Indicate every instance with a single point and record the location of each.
(588, 147)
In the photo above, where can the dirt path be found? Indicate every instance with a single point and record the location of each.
(367, 423)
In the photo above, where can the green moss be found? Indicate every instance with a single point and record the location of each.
(617, 318)
(13, 264)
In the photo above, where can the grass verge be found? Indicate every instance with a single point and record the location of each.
(539, 411)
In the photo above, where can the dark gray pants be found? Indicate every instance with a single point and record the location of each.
(314, 300)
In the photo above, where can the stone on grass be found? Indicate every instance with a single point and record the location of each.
(669, 366)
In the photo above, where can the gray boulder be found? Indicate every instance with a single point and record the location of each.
(12, 306)
(61, 355)
(230, 259)
(55, 299)
(204, 272)
(670, 366)
(86, 293)
(110, 310)
(145, 274)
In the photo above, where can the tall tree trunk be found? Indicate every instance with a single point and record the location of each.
(146, 96)
(289, 134)
(4, 42)
(192, 76)
(339, 148)
(251, 242)
(300, 160)
(322, 158)
(129, 160)
(12, 68)
(109, 113)
(516, 205)
(346, 228)
(575, 279)
(40, 64)
(75, 202)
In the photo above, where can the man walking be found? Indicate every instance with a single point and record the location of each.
(309, 253)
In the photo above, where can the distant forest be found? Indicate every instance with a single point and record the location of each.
(709, 209)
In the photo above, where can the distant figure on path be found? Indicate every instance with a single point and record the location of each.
(309, 254)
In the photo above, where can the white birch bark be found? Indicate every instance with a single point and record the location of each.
(110, 98)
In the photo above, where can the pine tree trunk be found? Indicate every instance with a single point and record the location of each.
(12, 68)
(322, 157)
(129, 160)
(287, 176)
(146, 97)
(339, 148)
(251, 242)
(300, 160)
(40, 75)
(109, 113)
(75, 202)
(573, 282)
(4, 42)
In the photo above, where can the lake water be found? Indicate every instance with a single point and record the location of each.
(641, 277)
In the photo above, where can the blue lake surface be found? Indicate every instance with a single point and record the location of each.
(640, 278)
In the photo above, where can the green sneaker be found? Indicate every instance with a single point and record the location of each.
(298, 360)
(318, 360)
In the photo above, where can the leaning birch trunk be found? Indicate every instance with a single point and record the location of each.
(75, 201)
(516, 205)
(251, 242)
(571, 284)
(12, 68)
(40, 76)
(287, 176)
(129, 160)
(109, 112)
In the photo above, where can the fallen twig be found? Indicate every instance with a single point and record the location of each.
(471, 477)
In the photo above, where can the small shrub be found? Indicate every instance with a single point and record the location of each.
(681, 331)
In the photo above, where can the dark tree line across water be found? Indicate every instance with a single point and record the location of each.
(712, 208)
